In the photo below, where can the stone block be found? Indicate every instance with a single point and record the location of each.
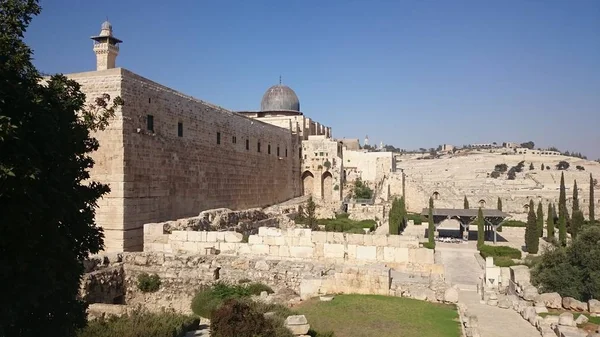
(274, 250)
(520, 275)
(228, 247)
(318, 237)
(302, 232)
(594, 306)
(220, 236)
(421, 255)
(178, 236)
(255, 239)
(310, 288)
(299, 330)
(582, 319)
(233, 237)
(153, 229)
(284, 251)
(530, 293)
(566, 318)
(319, 250)
(333, 250)
(380, 240)
(401, 255)
(154, 247)
(379, 250)
(302, 241)
(194, 236)
(303, 252)
(389, 254)
(549, 300)
(271, 231)
(394, 241)
(260, 249)
(351, 250)
(244, 249)
(189, 246)
(296, 320)
(355, 239)
(570, 303)
(366, 253)
(338, 238)
(211, 236)
(368, 240)
(262, 231)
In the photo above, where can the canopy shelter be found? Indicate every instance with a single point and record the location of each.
(492, 218)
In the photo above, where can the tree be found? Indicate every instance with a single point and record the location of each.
(562, 212)
(531, 167)
(480, 228)
(540, 219)
(310, 214)
(531, 231)
(501, 168)
(528, 145)
(499, 206)
(431, 228)
(576, 223)
(393, 219)
(562, 165)
(550, 223)
(466, 203)
(575, 197)
(47, 199)
(361, 190)
(592, 215)
(542, 166)
(402, 214)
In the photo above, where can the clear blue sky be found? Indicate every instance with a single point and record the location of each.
(408, 73)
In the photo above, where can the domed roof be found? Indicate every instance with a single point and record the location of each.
(106, 25)
(280, 97)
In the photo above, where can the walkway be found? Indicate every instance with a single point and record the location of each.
(461, 267)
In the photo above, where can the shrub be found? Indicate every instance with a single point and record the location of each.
(495, 174)
(141, 323)
(238, 319)
(343, 224)
(562, 165)
(429, 245)
(513, 223)
(148, 283)
(416, 217)
(503, 261)
(209, 299)
(580, 168)
(496, 251)
(501, 168)
(258, 288)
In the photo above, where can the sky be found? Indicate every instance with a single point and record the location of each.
(406, 73)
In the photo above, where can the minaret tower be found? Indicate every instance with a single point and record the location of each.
(106, 47)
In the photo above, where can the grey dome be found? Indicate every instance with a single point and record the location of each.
(280, 97)
(106, 25)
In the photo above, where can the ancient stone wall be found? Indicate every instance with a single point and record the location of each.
(369, 166)
(168, 156)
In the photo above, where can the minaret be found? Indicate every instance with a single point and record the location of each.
(367, 140)
(106, 47)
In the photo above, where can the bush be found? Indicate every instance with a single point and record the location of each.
(209, 299)
(496, 251)
(141, 323)
(513, 223)
(503, 261)
(416, 217)
(501, 168)
(429, 245)
(148, 283)
(257, 288)
(562, 165)
(342, 224)
(495, 174)
(239, 319)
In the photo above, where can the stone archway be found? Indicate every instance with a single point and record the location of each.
(482, 203)
(326, 186)
(307, 183)
(436, 195)
(526, 208)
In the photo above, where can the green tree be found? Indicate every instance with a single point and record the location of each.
(393, 219)
(47, 199)
(592, 215)
(310, 214)
(500, 209)
(543, 166)
(480, 228)
(361, 190)
(531, 167)
(431, 228)
(562, 210)
(531, 231)
(550, 223)
(540, 219)
(576, 223)
(402, 214)
(466, 203)
(575, 197)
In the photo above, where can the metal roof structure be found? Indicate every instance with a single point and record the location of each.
(457, 212)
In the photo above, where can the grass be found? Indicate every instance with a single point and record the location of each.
(503, 261)
(416, 217)
(513, 223)
(210, 298)
(381, 316)
(497, 251)
(140, 323)
(342, 223)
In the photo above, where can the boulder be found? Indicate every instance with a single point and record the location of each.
(296, 320)
(570, 303)
(582, 319)
(504, 303)
(566, 319)
(297, 324)
(520, 275)
(549, 300)
(530, 293)
(594, 306)
(451, 295)
(262, 265)
(541, 309)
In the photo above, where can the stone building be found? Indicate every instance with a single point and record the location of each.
(167, 155)
(322, 167)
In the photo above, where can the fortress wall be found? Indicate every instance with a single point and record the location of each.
(157, 175)
(294, 244)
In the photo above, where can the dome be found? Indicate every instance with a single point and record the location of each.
(106, 25)
(280, 97)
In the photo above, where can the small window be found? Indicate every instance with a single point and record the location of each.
(247, 144)
(321, 154)
(149, 100)
(150, 123)
(304, 156)
(269, 149)
(218, 138)
(316, 154)
(286, 153)
(233, 139)
(278, 153)
(180, 129)
(258, 147)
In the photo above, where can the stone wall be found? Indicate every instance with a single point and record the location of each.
(167, 156)
(293, 243)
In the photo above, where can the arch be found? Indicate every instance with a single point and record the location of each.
(482, 203)
(436, 195)
(526, 208)
(326, 186)
(307, 183)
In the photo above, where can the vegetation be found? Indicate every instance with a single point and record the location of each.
(503, 261)
(543, 166)
(562, 210)
(209, 299)
(308, 215)
(500, 168)
(495, 174)
(429, 245)
(499, 251)
(416, 218)
(361, 315)
(575, 197)
(574, 270)
(550, 223)
(141, 323)
(539, 217)
(148, 283)
(592, 215)
(466, 203)
(580, 168)
(576, 223)
(562, 165)
(531, 167)
(513, 223)
(342, 223)
(361, 190)
(480, 228)
(45, 191)
(528, 145)
(397, 216)
(431, 228)
(237, 318)
(531, 231)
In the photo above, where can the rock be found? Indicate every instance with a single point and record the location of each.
(549, 300)
(269, 314)
(594, 306)
(326, 298)
(566, 319)
(504, 303)
(264, 294)
(493, 303)
(520, 275)
(298, 329)
(451, 295)
(530, 293)
(551, 319)
(582, 319)
(540, 310)
(262, 265)
(528, 313)
(296, 320)
(570, 303)
(297, 324)
(493, 296)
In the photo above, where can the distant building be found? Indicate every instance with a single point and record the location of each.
(352, 144)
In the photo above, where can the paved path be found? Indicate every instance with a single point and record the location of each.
(496, 322)
(460, 265)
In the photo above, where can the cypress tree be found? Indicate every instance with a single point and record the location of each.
(431, 229)
(401, 214)
(576, 223)
(562, 210)
(531, 232)
(466, 203)
(550, 223)
(480, 229)
(592, 215)
(393, 217)
(575, 197)
(500, 209)
(540, 219)
(542, 166)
